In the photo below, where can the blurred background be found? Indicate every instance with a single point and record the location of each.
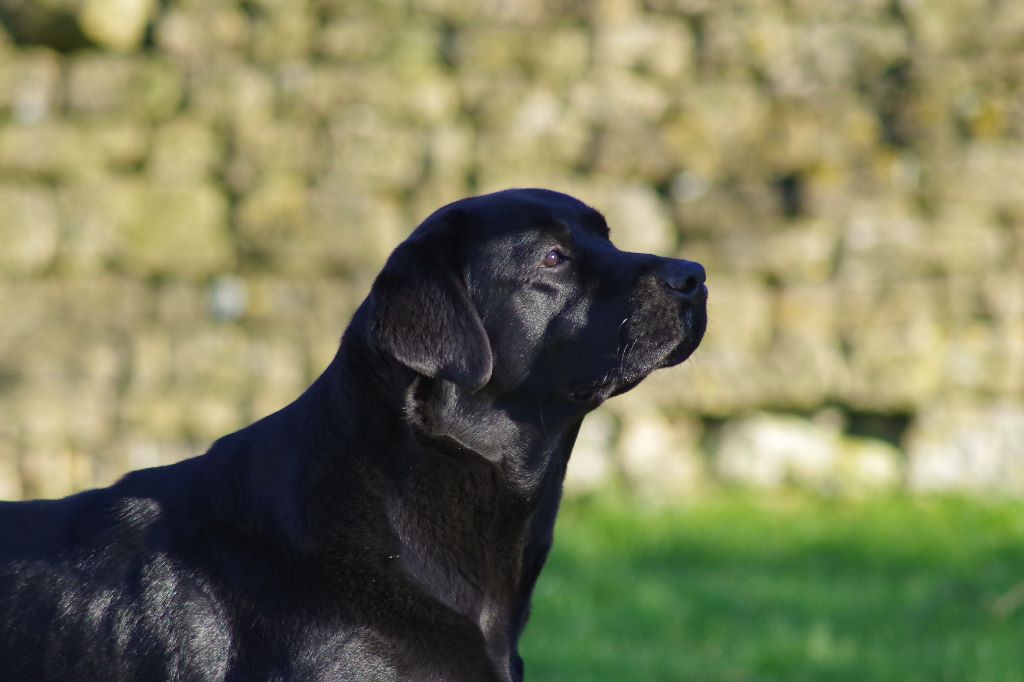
(195, 195)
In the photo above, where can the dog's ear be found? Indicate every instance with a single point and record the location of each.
(422, 313)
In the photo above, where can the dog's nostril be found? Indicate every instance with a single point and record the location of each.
(684, 277)
(686, 286)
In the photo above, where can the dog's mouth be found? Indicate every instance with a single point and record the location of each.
(596, 393)
(592, 393)
(697, 325)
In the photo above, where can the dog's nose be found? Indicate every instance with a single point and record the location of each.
(686, 279)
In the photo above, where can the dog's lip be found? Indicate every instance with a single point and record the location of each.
(687, 347)
(603, 389)
(589, 392)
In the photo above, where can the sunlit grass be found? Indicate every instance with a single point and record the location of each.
(739, 589)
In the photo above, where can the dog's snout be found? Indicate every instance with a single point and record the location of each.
(685, 278)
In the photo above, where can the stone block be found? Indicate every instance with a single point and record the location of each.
(185, 151)
(602, 12)
(179, 303)
(120, 146)
(868, 466)
(639, 220)
(620, 97)
(886, 237)
(280, 300)
(895, 345)
(273, 220)
(1003, 295)
(435, 192)
(840, 52)
(154, 415)
(534, 131)
(117, 25)
(772, 451)
(48, 472)
(456, 12)
(262, 150)
(659, 457)
(95, 307)
(368, 149)
(740, 316)
(388, 11)
(58, 150)
(807, 312)
(47, 467)
(709, 215)
(10, 460)
(450, 155)
(492, 48)
(364, 40)
(970, 448)
(150, 363)
(964, 239)
(30, 85)
(93, 215)
(970, 360)
(560, 54)
(124, 87)
(141, 228)
(983, 174)
(661, 47)
(349, 231)
(48, 149)
(208, 417)
(183, 230)
(628, 151)
(942, 28)
(197, 31)
(705, 141)
(28, 228)
(592, 465)
(91, 412)
(410, 93)
(283, 31)
(10, 471)
(805, 360)
(802, 132)
(353, 39)
(212, 360)
(685, 8)
(796, 251)
(34, 359)
(137, 450)
(280, 374)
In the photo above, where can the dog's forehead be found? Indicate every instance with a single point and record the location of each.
(525, 211)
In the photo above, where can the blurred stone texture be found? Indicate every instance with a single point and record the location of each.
(195, 194)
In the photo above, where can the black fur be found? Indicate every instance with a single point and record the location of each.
(389, 524)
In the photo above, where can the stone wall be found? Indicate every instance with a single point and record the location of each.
(194, 195)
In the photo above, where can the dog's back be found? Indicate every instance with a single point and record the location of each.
(104, 566)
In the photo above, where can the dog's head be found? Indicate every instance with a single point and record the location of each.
(520, 295)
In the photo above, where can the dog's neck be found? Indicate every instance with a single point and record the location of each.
(472, 517)
(500, 497)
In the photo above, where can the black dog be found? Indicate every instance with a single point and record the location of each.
(389, 524)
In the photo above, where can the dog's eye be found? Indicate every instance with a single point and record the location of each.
(554, 257)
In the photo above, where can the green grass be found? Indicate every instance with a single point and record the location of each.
(738, 589)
